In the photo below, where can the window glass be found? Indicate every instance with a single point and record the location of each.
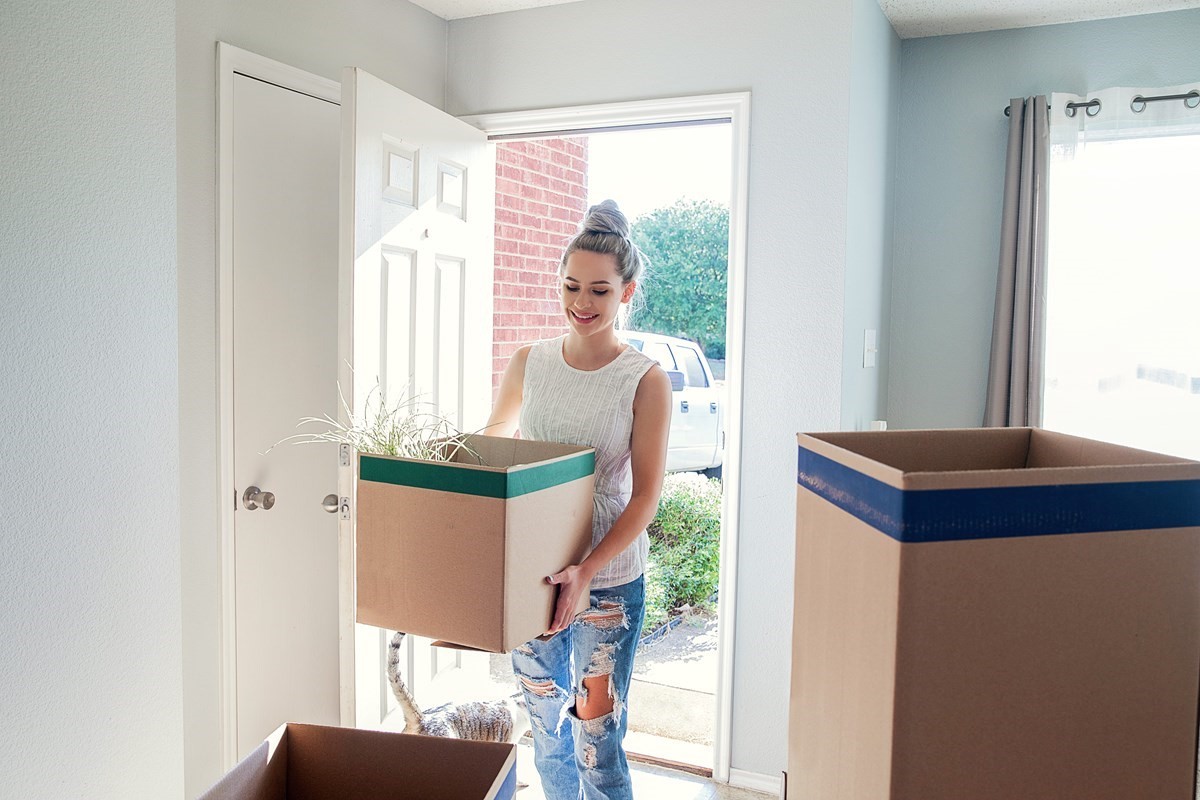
(692, 367)
(1122, 333)
(662, 354)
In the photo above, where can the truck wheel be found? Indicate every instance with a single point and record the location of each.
(712, 472)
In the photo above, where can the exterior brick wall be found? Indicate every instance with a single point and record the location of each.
(541, 195)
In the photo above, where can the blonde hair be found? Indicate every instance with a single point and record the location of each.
(605, 230)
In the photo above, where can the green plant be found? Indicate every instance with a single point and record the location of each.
(410, 428)
(685, 546)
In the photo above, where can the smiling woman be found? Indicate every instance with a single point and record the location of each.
(593, 296)
(589, 387)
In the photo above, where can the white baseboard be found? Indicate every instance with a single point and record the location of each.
(771, 784)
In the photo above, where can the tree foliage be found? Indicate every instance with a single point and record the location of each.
(687, 245)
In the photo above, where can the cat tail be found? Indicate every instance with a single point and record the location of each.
(408, 706)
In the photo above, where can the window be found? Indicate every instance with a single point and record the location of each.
(692, 368)
(1123, 282)
(661, 353)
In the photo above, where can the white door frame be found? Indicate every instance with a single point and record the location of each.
(734, 107)
(232, 60)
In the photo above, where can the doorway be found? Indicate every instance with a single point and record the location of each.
(729, 109)
(529, 312)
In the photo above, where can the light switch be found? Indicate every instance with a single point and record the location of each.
(870, 348)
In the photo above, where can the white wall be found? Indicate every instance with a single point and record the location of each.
(795, 59)
(89, 457)
(950, 177)
(392, 39)
(874, 92)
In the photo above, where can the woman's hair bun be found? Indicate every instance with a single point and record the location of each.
(606, 217)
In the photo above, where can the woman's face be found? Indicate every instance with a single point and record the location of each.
(592, 291)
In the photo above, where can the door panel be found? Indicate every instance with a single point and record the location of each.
(417, 232)
(703, 406)
(285, 187)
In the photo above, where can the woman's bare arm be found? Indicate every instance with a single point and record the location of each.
(506, 411)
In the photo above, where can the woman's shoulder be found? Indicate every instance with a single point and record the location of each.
(639, 362)
(542, 353)
(540, 346)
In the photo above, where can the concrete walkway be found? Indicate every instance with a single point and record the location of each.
(675, 684)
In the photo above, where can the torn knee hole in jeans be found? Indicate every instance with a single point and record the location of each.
(524, 650)
(598, 710)
(607, 614)
(589, 756)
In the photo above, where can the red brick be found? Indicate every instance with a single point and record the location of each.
(512, 304)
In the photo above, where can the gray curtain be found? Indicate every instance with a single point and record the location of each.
(1014, 390)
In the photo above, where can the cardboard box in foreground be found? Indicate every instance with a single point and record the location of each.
(993, 614)
(314, 762)
(459, 551)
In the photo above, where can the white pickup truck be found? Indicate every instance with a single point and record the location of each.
(697, 437)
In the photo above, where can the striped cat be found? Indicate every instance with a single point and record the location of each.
(489, 721)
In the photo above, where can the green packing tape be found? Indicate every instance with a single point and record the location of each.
(447, 477)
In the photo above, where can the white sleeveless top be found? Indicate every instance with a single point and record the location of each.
(592, 408)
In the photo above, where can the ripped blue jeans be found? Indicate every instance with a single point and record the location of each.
(583, 758)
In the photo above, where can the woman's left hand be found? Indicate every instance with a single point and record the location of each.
(571, 582)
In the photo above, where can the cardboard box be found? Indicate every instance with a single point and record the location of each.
(459, 551)
(993, 614)
(314, 762)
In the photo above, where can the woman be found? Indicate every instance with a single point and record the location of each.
(589, 388)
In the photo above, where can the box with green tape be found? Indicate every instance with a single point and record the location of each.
(459, 550)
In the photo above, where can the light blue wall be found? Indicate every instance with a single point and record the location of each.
(953, 90)
(794, 58)
(90, 631)
(874, 97)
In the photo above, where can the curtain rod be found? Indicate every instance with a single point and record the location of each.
(1137, 104)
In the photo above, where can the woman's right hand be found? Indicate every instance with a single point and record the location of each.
(572, 582)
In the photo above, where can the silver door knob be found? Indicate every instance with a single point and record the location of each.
(330, 503)
(256, 498)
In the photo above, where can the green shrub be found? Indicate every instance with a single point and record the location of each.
(685, 546)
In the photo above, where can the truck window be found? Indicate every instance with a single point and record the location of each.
(661, 353)
(692, 367)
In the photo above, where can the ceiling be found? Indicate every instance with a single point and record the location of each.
(910, 18)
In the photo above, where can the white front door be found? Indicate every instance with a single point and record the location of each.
(284, 352)
(416, 287)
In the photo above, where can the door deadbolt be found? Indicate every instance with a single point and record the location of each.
(257, 498)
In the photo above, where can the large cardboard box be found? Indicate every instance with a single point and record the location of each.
(314, 762)
(993, 614)
(460, 551)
